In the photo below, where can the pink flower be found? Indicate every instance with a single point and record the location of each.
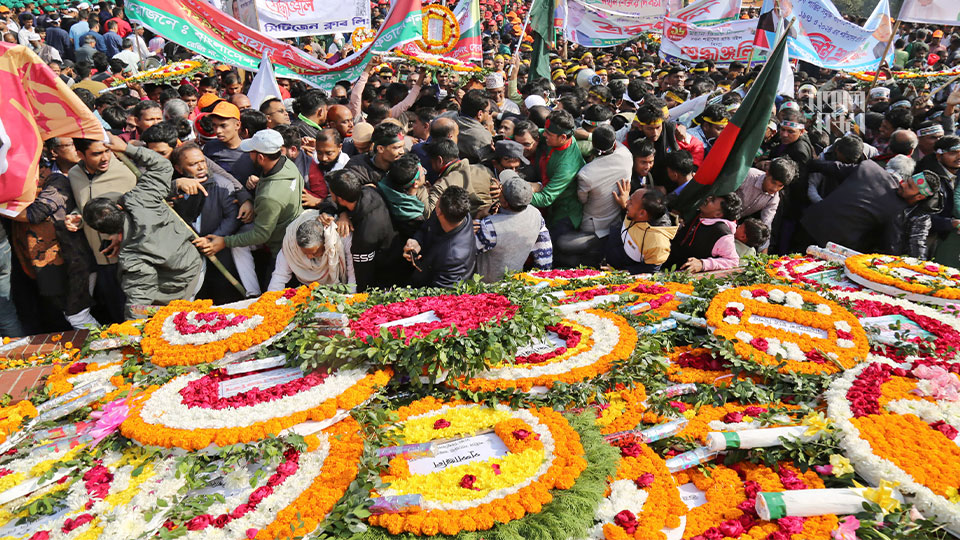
(627, 520)
(630, 450)
(791, 524)
(520, 434)
(678, 405)
(757, 293)
(260, 494)
(240, 511)
(732, 312)
(753, 410)
(733, 417)
(496, 469)
(645, 480)
(287, 468)
(40, 535)
(847, 529)
(467, 482)
(945, 428)
(825, 470)
(816, 357)
(731, 528)
(748, 506)
(760, 344)
(441, 424)
(200, 522)
(77, 367)
(751, 488)
(252, 533)
(777, 535)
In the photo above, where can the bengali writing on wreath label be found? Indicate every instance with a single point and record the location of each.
(459, 451)
(789, 326)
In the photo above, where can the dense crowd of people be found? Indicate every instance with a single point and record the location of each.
(425, 178)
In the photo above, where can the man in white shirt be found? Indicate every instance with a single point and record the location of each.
(129, 58)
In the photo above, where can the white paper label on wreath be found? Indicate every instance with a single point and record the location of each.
(692, 496)
(788, 326)
(265, 380)
(549, 343)
(256, 365)
(891, 325)
(426, 317)
(459, 451)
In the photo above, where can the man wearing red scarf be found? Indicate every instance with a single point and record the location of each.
(558, 162)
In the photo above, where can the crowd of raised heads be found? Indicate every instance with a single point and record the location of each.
(416, 177)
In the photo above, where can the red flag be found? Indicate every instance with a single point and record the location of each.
(35, 105)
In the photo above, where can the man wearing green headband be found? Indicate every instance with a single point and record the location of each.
(557, 163)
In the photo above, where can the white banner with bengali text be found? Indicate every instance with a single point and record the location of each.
(294, 18)
(608, 23)
(723, 43)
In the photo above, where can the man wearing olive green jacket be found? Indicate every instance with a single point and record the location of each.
(277, 201)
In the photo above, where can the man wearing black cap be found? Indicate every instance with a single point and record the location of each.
(508, 155)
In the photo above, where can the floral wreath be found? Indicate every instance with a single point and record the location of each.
(827, 336)
(662, 297)
(556, 278)
(899, 422)
(100, 489)
(698, 365)
(33, 465)
(895, 275)
(361, 36)
(795, 269)
(169, 73)
(12, 416)
(451, 30)
(868, 76)
(730, 417)
(643, 498)
(731, 500)
(188, 413)
(544, 453)
(290, 500)
(190, 333)
(100, 368)
(625, 410)
(413, 53)
(595, 340)
(945, 328)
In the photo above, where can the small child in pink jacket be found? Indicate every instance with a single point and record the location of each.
(707, 242)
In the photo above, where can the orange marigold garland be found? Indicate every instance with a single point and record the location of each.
(611, 339)
(820, 336)
(625, 410)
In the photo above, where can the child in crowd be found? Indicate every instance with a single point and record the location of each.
(750, 236)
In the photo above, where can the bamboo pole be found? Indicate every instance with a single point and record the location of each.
(883, 57)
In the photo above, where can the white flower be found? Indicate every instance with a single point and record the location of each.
(735, 305)
(794, 352)
(824, 309)
(845, 343)
(730, 319)
(746, 294)
(777, 296)
(238, 478)
(793, 300)
(842, 325)
(744, 336)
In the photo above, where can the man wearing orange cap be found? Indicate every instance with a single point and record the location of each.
(225, 150)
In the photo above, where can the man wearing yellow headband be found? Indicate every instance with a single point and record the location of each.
(714, 118)
(651, 123)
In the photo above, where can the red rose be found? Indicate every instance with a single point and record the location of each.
(945, 428)
(732, 312)
(627, 520)
(260, 494)
(240, 511)
(843, 334)
(221, 521)
(760, 344)
(760, 292)
(275, 480)
(645, 480)
(441, 423)
(733, 417)
(816, 357)
(748, 506)
(520, 434)
(679, 405)
(77, 367)
(731, 528)
(751, 488)
(754, 410)
(630, 450)
(200, 522)
(713, 533)
(467, 482)
(40, 535)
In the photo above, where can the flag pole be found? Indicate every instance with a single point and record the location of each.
(523, 31)
(883, 57)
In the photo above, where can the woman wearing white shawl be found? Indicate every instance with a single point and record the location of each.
(313, 252)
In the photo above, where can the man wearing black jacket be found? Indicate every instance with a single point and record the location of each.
(444, 250)
(373, 233)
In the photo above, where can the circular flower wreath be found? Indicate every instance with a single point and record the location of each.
(828, 335)
(729, 417)
(99, 368)
(461, 313)
(596, 340)
(901, 424)
(894, 275)
(188, 413)
(190, 333)
(544, 453)
(795, 269)
(643, 498)
(92, 494)
(945, 329)
(731, 499)
(450, 33)
(361, 36)
(173, 72)
(662, 297)
(555, 278)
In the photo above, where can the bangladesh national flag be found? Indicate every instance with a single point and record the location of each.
(726, 166)
(544, 34)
